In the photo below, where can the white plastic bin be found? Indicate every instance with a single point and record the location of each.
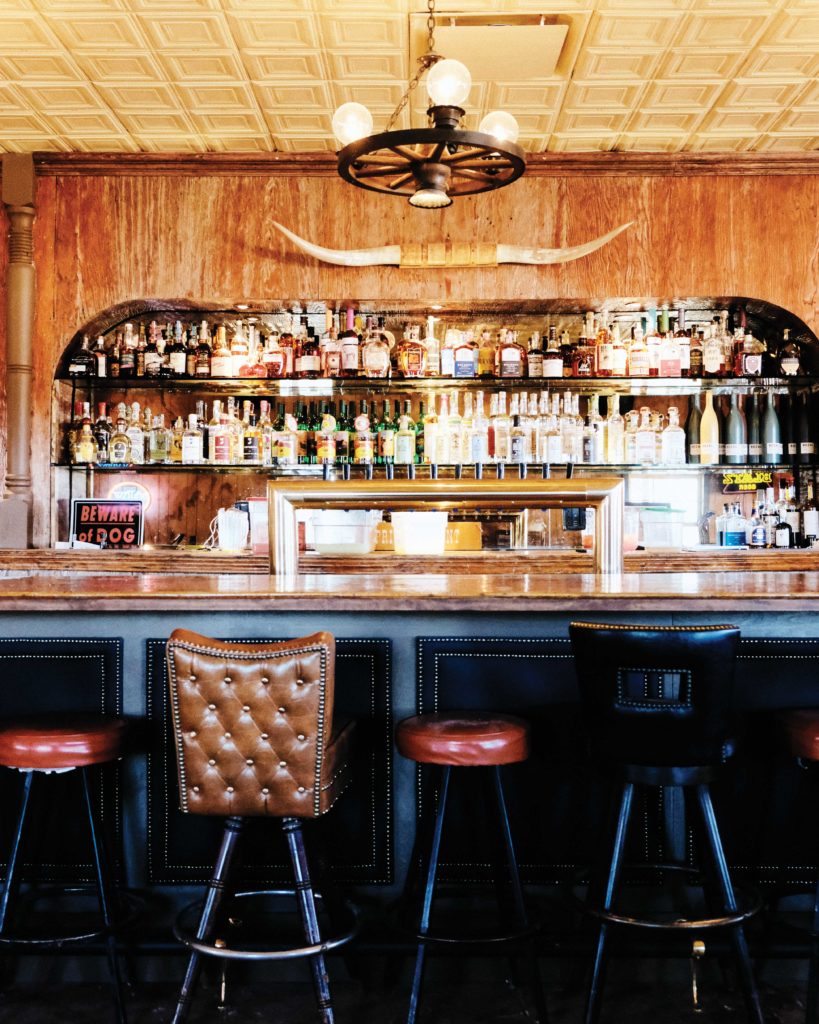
(339, 532)
(662, 527)
(419, 533)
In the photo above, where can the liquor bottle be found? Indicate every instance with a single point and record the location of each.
(239, 350)
(692, 430)
(749, 356)
(177, 353)
(653, 343)
(454, 425)
(502, 425)
(100, 364)
(451, 338)
(684, 341)
(254, 365)
(190, 355)
(695, 356)
(673, 440)
(203, 351)
(288, 344)
(807, 447)
(755, 448)
(81, 363)
(102, 433)
(326, 441)
(375, 354)
(709, 433)
(127, 364)
(615, 429)
(510, 356)
(638, 361)
(646, 439)
(518, 449)
(433, 347)
(810, 518)
(152, 357)
(307, 364)
(192, 453)
(350, 353)
(711, 354)
(420, 433)
(553, 361)
(719, 412)
(363, 446)
(736, 434)
(790, 357)
(735, 528)
(221, 361)
(465, 356)
(788, 427)
(619, 353)
(441, 450)
(405, 437)
(630, 436)
(385, 431)
(218, 437)
(330, 347)
(771, 432)
(119, 447)
(342, 435)
(605, 352)
(755, 531)
(115, 358)
(287, 446)
(177, 434)
(275, 357)
(670, 359)
(534, 357)
(411, 353)
(159, 441)
(486, 355)
(478, 451)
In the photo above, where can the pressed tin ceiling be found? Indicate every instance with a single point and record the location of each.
(264, 75)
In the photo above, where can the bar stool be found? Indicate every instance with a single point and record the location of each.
(801, 728)
(468, 740)
(255, 737)
(41, 747)
(657, 704)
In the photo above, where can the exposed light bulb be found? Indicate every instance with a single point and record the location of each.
(448, 83)
(429, 199)
(351, 122)
(501, 126)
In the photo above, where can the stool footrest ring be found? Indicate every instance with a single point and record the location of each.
(480, 940)
(750, 904)
(132, 906)
(186, 936)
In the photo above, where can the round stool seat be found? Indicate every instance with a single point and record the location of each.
(802, 732)
(60, 741)
(463, 739)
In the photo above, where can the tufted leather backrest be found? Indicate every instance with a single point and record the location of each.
(656, 695)
(252, 723)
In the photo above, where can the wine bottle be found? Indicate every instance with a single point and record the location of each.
(807, 447)
(692, 430)
(709, 433)
(736, 434)
(771, 432)
(755, 449)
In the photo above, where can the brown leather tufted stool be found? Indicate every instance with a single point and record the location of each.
(38, 747)
(467, 739)
(801, 728)
(255, 737)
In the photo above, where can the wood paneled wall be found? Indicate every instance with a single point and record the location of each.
(4, 254)
(111, 233)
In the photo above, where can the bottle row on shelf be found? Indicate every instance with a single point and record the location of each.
(646, 347)
(770, 524)
(534, 427)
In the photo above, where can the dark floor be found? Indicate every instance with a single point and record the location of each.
(454, 994)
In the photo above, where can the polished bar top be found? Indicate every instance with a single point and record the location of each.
(647, 592)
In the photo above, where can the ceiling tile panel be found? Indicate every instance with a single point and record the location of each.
(172, 144)
(180, 31)
(613, 96)
(371, 94)
(210, 66)
(121, 67)
(382, 66)
(682, 95)
(665, 120)
(522, 97)
(202, 97)
(713, 29)
(11, 99)
(80, 125)
(739, 120)
(290, 67)
(799, 30)
(721, 143)
(299, 123)
(666, 142)
(777, 62)
(234, 123)
(60, 97)
(135, 98)
(27, 32)
(41, 68)
(634, 29)
(304, 143)
(271, 32)
(364, 30)
(85, 31)
(788, 143)
(591, 121)
(583, 142)
(156, 124)
(798, 121)
(747, 93)
(620, 65)
(700, 64)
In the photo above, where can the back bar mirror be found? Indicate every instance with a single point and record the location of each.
(604, 494)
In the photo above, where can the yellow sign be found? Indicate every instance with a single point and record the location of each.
(746, 480)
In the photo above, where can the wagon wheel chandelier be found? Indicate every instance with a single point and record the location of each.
(430, 165)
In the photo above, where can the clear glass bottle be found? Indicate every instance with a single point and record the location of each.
(159, 441)
(375, 354)
(119, 447)
(615, 432)
(736, 434)
(192, 449)
(673, 440)
(275, 357)
(221, 362)
(552, 359)
(638, 363)
(405, 437)
(619, 353)
(136, 436)
(646, 439)
(433, 347)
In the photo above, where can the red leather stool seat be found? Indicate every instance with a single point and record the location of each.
(802, 732)
(463, 739)
(60, 741)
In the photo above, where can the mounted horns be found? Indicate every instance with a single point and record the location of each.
(447, 254)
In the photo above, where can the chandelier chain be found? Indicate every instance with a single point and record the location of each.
(424, 64)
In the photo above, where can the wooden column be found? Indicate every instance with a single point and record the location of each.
(18, 197)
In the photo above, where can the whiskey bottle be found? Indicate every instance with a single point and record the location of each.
(102, 433)
(100, 365)
(411, 354)
(127, 365)
(510, 356)
(553, 360)
(486, 355)
(203, 351)
(307, 365)
(152, 357)
(619, 353)
(534, 357)
(190, 355)
(177, 353)
(275, 357)
(221, 362)
(239, 350)
(465, 356)
(119, 447)
(81, 363)
(350, 351)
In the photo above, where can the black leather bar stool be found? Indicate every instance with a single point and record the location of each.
(657, 703)
(255, 737)
(801, 729)
(38, 748)
(468, 740)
